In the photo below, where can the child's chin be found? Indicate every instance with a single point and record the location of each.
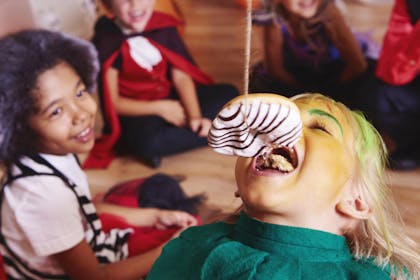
(84, 148)
(309, 13)
(138, 26)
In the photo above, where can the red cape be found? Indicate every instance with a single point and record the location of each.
(400, 56)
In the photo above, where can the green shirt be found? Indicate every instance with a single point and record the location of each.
(251, 249)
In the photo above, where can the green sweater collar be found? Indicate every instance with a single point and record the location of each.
(291, 241)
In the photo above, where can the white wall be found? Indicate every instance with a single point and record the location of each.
(15, 15)
(76, 17)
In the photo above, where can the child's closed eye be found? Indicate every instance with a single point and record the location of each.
(320, 125)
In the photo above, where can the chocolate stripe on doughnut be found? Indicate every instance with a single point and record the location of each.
(238, 143)
(293, 137)
(233, 116)
(237, 133)
(245, 126)
(229, 136)
(265, 128)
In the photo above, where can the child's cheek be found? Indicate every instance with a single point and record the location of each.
(92, 106)
(327, 159)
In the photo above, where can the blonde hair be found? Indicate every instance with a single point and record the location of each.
(380, 237)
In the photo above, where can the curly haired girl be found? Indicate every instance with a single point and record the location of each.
(49, 227)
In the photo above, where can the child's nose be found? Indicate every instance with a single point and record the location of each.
(79, 114)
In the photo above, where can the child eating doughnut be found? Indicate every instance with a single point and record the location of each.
(315, 204)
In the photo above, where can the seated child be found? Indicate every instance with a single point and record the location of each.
(310, 174)
(156, 101)
(49, 228)
(394, 103)
(310, 47)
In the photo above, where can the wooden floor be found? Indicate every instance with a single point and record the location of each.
(215, 35)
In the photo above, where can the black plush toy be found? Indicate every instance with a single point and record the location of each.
(164, 192)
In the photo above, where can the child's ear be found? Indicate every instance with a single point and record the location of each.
(354, 206)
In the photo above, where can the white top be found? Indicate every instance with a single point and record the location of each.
(41, 216)
(143, 52)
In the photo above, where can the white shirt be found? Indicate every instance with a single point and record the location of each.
(41, 216)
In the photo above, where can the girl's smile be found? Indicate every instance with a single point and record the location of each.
(133, 14)
(301, 8)
(85, 136)
(137, 16)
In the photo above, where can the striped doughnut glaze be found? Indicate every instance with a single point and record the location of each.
(249, 123)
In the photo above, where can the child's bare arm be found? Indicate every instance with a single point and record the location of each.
(185, 87)
(134, 216)
(186, 90)
(346, 43)
(80, 262)
(273, 45)
(148, 216)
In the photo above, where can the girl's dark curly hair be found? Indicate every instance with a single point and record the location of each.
(24, 56)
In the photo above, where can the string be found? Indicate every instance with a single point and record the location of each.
(247, 55)
(248, 32)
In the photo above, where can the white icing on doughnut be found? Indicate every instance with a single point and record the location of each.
(248, 124)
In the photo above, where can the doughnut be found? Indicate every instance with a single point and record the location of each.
(255, 124)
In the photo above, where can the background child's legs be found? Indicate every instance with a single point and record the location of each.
(260, 81)
(151, 136)
(395, 110)
(354, 93)
(213, 97)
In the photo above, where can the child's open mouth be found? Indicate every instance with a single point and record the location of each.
(281, 158)
(307, 4)
(137, 16)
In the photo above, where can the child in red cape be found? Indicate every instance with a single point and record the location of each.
(156, 101)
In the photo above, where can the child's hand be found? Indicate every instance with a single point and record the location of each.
(169, 218)
(172, 112)
(201, 126)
